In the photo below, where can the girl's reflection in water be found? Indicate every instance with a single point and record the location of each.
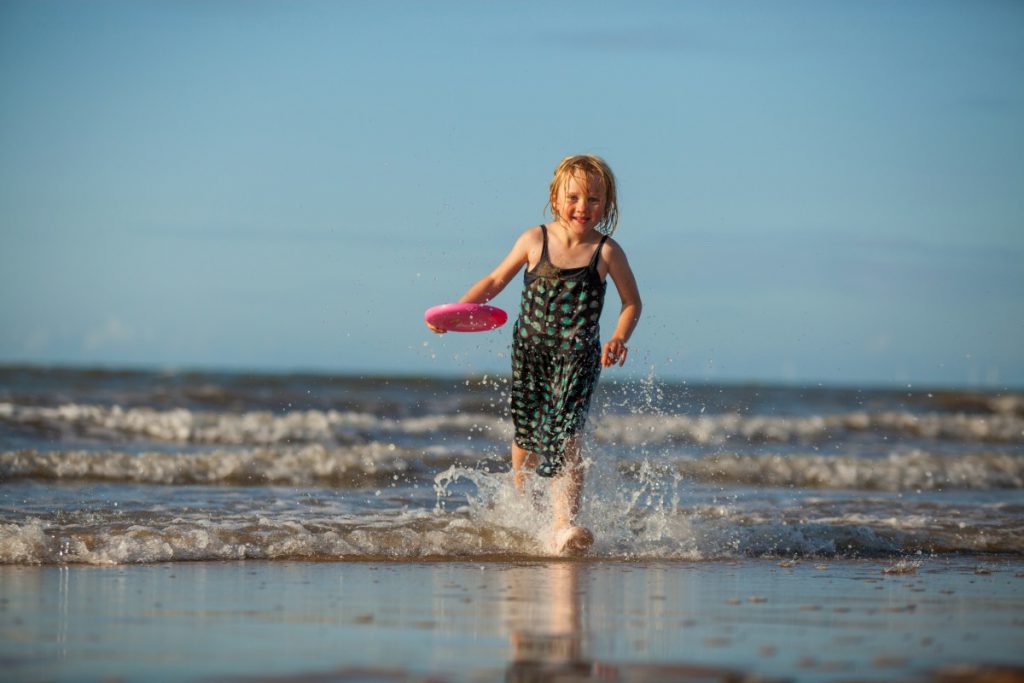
(543, 619)
(545, 608)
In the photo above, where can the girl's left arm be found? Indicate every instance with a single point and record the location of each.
(615, 350)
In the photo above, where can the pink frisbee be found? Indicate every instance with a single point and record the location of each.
(465, 317)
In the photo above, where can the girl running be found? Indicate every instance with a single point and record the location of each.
(556, 349)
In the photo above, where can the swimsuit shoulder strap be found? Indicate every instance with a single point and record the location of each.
(543, 252)
(597, 253)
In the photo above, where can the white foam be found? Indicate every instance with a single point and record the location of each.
(360, 464)
(407, 535)
(294, 465)
(258, 427)
(648, 522)
(333, 427)
(720, 429)
(901, 471)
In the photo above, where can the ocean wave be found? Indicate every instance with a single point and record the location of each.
(349, 466)
(259, 427)
(910, 471)
(332, 427)
(464, 534)
(413, 536)
(376, 463)
(721, 429)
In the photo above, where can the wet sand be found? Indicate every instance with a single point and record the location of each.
(938, 619)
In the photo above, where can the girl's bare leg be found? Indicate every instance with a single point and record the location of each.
(567, 487)
(566, 496)
(521, 458)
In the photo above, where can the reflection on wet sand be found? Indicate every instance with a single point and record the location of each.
(565, 621)
(544, 614)
(543, 619)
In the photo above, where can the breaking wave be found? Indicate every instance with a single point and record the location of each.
(375, 463)
(264, 538)
(333, 427)
(485, 531)
(349, 466)
(721, 429)
(911, 471)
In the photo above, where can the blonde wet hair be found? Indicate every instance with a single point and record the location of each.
(586, 167)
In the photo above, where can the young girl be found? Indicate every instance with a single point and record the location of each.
(556, 349)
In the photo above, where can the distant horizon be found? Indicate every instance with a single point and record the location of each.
(469, 375)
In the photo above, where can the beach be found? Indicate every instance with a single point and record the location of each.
(950, 619)
(233, 526)
(234, 450)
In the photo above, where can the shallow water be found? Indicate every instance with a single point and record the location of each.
(107, 467)
(947, 620)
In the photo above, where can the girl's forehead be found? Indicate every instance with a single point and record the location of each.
(582, 182)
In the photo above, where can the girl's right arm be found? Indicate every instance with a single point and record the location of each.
(492, 285)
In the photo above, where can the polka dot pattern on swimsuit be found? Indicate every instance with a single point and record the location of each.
(555, 356)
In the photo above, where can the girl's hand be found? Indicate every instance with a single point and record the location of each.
(435, 330)
(615, 351)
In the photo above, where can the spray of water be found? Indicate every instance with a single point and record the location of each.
(631, 500)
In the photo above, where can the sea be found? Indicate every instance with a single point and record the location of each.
(111, 467)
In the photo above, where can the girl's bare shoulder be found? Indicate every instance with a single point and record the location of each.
(533, 234)
(530, 239)
(611, 249)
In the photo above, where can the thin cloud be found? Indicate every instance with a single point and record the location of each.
(112, 333)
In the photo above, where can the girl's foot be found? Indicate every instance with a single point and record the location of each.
(571, 540)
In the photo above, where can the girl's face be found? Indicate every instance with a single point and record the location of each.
(580, 203)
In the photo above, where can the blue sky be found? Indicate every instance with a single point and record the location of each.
(810, 191)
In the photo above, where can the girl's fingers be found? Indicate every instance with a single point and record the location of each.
(614, 353)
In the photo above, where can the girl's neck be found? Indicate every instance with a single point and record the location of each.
(571, 238)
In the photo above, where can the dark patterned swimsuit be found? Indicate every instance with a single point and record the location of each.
(556, 353)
